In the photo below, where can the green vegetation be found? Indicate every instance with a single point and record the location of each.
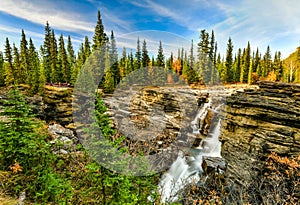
(29, 164)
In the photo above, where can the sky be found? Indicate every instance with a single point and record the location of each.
(175, 22)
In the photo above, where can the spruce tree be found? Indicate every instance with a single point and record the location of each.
(87, 47)
(55, 72)
(2, 70)
(63, 66)
(237, 66)
(250, 74)
(191, 56)
(9, 68)
(47, 53)
(108, 76)
(267, 62)
(33, 68)
(24, 60)
(138, 56)
(17, 67)
(113, 56)
(203, 57)
(278, 67)
(145, 56)
(71, 58)
(160, 59)
(228, 71)
(100, 38)
(123, 64)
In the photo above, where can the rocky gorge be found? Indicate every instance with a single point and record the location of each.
(255, 122)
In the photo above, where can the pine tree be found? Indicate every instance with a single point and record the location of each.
(79, 63)
(87, 47)
(191, 56)
(228, 71)
(170, 62)
(277, 66)
(160, 59)
(145, 56)
(256, 61)
(33, 68)
(237, 66)
(9, 69)
(47, 53)
(100, 38)
(63, 66)
(124, 64)
(113, 55)
(267, 62)
(71, 58)
(24, 60)
(138, 56)
(203, 57)
(247, 61)
(108, 76)
(55, 72)
(42, 75)
(2, 71)
(17, 67)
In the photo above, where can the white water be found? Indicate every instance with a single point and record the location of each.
(186, 169)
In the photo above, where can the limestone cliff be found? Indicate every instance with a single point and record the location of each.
(258, 122)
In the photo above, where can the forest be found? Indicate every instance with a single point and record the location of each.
(28, 164)
(56, 61)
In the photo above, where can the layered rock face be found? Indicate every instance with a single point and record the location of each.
(54, 106)
(155, 119)
(258, 122)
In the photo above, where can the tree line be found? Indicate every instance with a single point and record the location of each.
(56, 61)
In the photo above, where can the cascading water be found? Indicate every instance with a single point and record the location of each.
(186, 169)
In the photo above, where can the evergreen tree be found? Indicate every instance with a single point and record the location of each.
(247, 60)
(192, 57)
(170, 62)
(79, 63)
(160, 59)
(42, 76)
(100, 38)
(277, 66)
(267, 62)
(71, 58)
(256, 61)
(24, 60)
(9, 68)
(2, 71)
(55, 74)
(113, 55)
(138, 56)
(124, 64)
(237, 66)
(145, 56)
(131, 62)
(108, 76)
(87, 48)
(47, 53)
(228, 71)
(63, 66)
(33, 68)
(203, 57)
(17, 67)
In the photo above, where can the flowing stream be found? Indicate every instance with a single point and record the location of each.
(186, 169)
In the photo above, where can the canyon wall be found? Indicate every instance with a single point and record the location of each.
(258, 122)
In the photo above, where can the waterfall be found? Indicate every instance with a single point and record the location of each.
(186, 169)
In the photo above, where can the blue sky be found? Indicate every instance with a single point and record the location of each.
(262, 22)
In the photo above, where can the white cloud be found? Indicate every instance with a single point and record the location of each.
(41, 11)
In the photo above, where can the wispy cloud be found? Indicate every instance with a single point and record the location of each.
(41, 11)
